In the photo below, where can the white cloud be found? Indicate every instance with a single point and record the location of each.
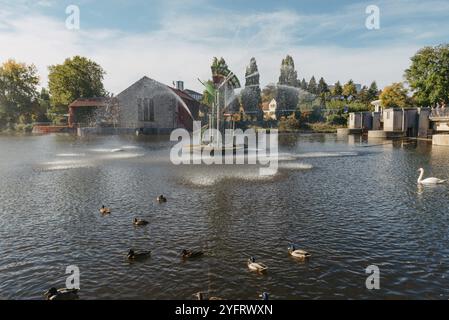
(182, 49)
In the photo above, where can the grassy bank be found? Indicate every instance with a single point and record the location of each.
(322, 127)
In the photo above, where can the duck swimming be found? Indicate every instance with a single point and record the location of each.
(256, 266)
(132, 255)
(203, 296)
(61, 294)
(161, 199)
(187, 254)
(104, 210)
(264, 296)
(298, 253)
(140, 222)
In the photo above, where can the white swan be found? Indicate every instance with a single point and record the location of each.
(428, 180)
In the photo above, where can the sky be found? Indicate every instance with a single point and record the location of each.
(170, 40)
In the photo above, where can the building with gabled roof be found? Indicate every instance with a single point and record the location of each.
(153, 107)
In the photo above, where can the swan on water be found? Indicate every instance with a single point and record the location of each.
(428, 180)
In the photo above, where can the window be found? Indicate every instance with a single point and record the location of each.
(148, 110)
(151, 110)
(140, 109)
(388, 115)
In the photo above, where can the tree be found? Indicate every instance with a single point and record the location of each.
(428, 75)
(303, 84)
(269, 93)
(323, 90)
(287, 92)
(289, 76)
(312, 87)
(337, 91)
(77, 77)
(394, 96)
(18, 91)
(251, 94)
(349, 89)
(373, 92)
(208, 94)
(363, 96)
(41, 106)
(322, 86)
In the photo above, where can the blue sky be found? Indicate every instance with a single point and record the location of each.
(171, 40)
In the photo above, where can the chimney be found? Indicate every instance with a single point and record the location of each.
(180, 85)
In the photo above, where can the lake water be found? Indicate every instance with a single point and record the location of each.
(349, 204)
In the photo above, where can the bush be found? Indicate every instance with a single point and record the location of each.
(337, 119)
(27, 128)
(289, 124)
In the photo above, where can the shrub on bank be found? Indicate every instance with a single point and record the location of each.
(289, 124)
(337, 119)
(25, 128)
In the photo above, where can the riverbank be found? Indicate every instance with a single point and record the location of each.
(18, 129)
(319, 127)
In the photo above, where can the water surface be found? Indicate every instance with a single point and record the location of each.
(350, 205)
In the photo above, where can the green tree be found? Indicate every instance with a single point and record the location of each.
(373, 92)
(312, 87)
(322, 86)
(287, 92)
(42, 106)
(363, 95)
(337, 91)
(251, 94)
(349, 89)
(428, 75)
(77, 77)
(394, 96)
(269, 93)
(303, 84)
(18, 91)
(208, 94)
(323, 90)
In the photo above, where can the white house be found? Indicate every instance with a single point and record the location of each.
(269, 110)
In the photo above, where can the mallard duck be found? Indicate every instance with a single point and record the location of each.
(298, 253)
(256, 266)
(132, 255)
(161, 199)
(202, 296)
(104, 210)
(61, 294)
(264, 296)
(186, 254)
(140, 222)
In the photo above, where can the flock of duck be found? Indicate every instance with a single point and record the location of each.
(253, 265)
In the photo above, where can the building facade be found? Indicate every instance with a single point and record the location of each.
(269, 110)
(152, 107)
(360, 120)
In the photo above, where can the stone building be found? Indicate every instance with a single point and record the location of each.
(154, 108)
(360, 121)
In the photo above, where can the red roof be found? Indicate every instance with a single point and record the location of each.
(183, 95)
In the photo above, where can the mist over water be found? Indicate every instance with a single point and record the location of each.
(349, 206)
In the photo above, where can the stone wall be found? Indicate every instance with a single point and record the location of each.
(132, 101)
(440, 139)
